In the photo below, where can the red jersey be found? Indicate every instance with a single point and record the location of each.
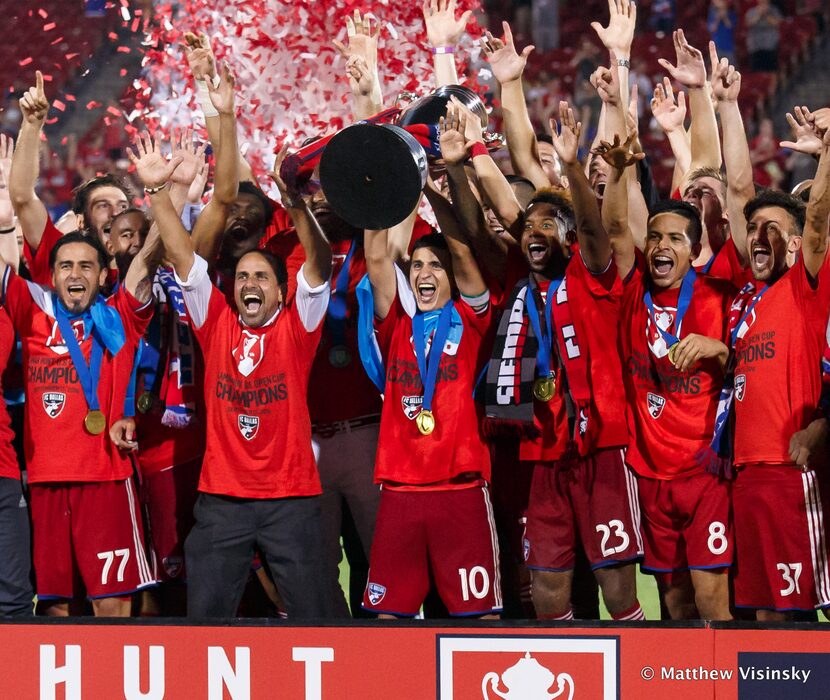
(55, 402)
(671, 414)
(8, 458)
(38, 260)
(336, 391)
(256, 383)
(456, 446)
(778, 371)
(726, 265)
(594, 309)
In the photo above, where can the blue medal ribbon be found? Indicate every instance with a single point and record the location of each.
(687, 288)
(336, 316)
(88, 374)
(544, 338)
(429, 370)
(749, 307)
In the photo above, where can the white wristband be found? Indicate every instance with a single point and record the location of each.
(203, 95)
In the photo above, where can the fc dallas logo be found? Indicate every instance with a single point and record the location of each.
(53, 403)
(655, 404)
(248, 352)
(740, 387)
(55, 340)
(412, 406)
(665, 319)
(248, 426)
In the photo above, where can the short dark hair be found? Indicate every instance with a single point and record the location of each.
(555, 196)
(135, 210)
(80, 195)
(80, 237)
(544, 138)
(248, 187)
(694, 230)
(795, 207)
(275, 261)
(431, 240)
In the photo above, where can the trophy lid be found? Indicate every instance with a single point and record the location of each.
(430, 108)
(372, 175)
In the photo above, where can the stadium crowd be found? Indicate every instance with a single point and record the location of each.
(562, 377)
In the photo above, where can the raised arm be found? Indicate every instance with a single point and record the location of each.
(381, 271)
(814, 239)
(463, 220)
(454, 150)
(618, 36)
(444, 32)
(25, 169)
(615, 203)
(361, 56)
(9, 227)
(154, 171)
(317, 266)
(670, 115)
(740, 188)
(507, 66)
(209, 226)
(202, 64)
(594, 244)
(139, 278)
(691, 72)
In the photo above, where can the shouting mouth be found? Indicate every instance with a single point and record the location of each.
(426, 291)
(252, 302)
(536, 252)
(76, 291)
(761, 255)
(661, 265)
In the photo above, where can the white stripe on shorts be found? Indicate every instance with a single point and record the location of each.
(495, 543)
(815, 527)
(144, 575)
(633, 502)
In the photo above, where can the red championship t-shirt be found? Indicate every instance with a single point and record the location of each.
(256, 384)
(726, 265)
(456, 445)
(8, 458)
(778, 371)
(56, 443)
(339, 388)
(671, 414)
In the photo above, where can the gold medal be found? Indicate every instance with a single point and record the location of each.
(95, 422)
(145, 402)
(544, 388)
(673, 353)
(425, 422)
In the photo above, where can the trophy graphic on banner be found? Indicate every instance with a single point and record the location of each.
(373, 172)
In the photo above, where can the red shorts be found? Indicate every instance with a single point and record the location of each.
(88, 536)
(592, 498)
(449, 534)
(687, 523)
(780, 539)
(169, 496)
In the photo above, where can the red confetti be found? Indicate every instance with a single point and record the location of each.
(92, 104)
(57, 104)
(114, 110)
(49, 27)
(25, 61)
(43, 13)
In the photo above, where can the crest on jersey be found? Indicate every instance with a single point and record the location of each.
(656, 342)
(248, 352)
(248, 426)
(412, 405)
(173, 566)
(740, 387)
(375, 592)
(53, 403)
(55, 340)
(655, 404)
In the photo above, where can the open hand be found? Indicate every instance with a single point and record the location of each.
(192, 157)
(726, 80)
(670, 114)
(619, 33)
(690, 69)
(507, 65)
(808, 137)
(443, 29)
(199, 56)
(152, 168)
(221, 95)
(452, 140)
(607, 82)
(618, 155)
(566, 138)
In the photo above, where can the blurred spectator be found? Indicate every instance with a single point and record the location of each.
(762, 36)
(586, 59)
(662, 16)
(765, 154)
(639, 76)
(545, 24)
(522, 14)
(722, 22)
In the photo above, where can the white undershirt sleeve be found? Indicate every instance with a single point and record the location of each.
(312, 302)
(197, 290)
